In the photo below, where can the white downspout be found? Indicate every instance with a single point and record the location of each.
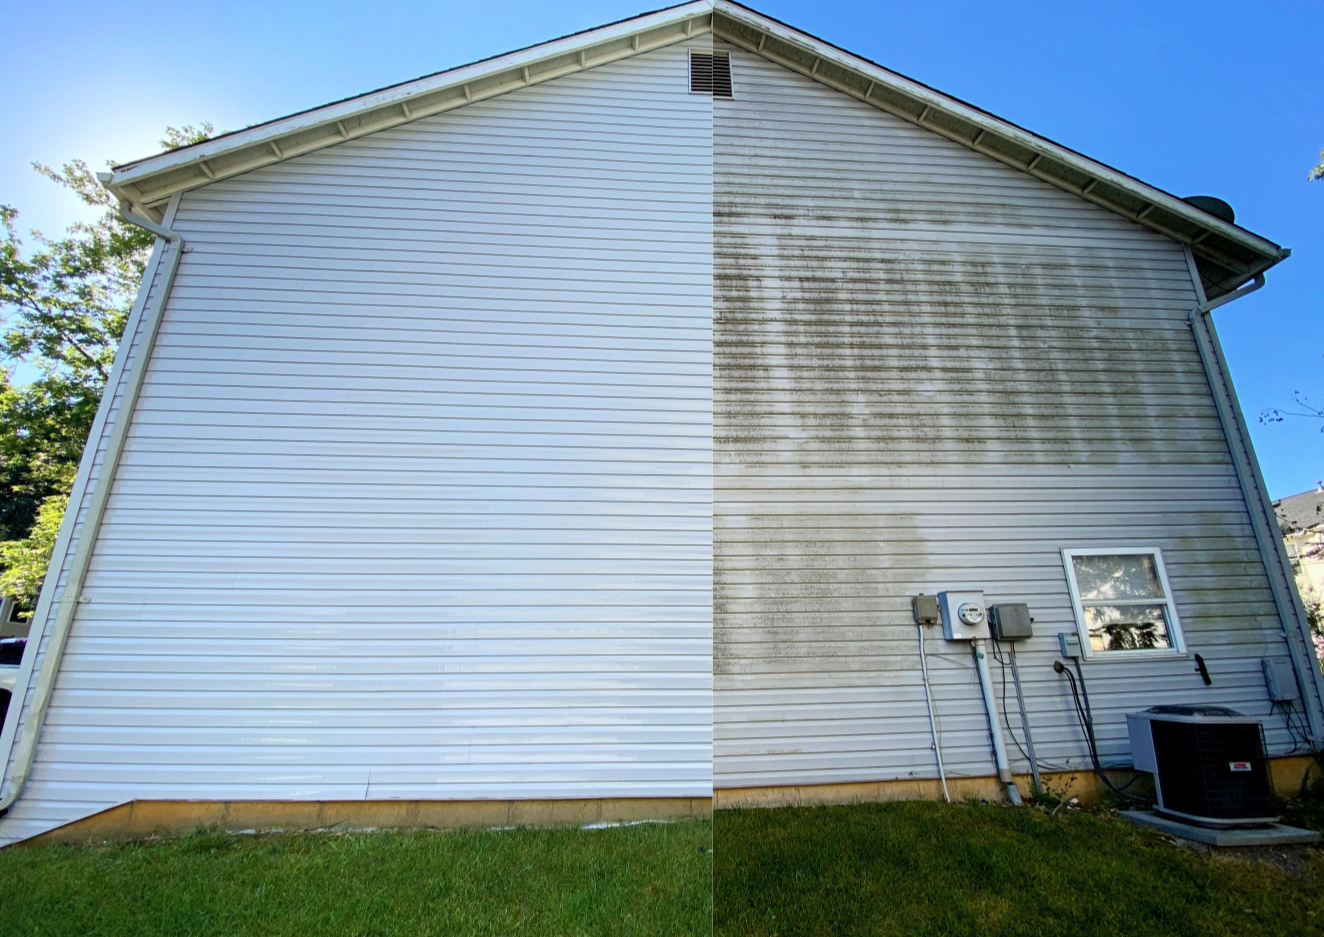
(1272, 551)
(995, 727)
(71, 595)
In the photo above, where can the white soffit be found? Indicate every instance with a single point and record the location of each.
(1228, 255)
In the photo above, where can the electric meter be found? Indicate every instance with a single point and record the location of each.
(970, 614)
(963, 617)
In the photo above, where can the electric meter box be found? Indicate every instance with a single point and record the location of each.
(1011, 622)
(963, 615)
(1280, 680)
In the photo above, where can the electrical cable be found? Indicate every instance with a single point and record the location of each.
(933, 718)
(1089, 726)
(1086, 718)
(1287, 707)
(1025, 721)
(1305, 730)
(1006, 719)
(1304, 726)
(1306, 743)
(1027, 751)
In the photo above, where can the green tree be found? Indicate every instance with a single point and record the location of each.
(1318, 171)
(65, 305)
(25, 560)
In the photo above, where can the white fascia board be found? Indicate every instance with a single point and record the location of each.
(135, 173)
(149, 182)
(994, 125)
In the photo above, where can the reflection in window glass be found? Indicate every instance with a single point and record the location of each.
(1122, 601)
(1124, 576)
(1126, 627)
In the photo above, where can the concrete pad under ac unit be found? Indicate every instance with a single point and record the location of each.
(1275, 835)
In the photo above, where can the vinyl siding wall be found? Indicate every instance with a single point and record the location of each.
(933, 371)
(433, 490)
(417, 502)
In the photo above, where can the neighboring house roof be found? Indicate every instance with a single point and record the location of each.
(1227, 254)
(1300, 512)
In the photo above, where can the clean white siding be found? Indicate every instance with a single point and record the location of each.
(417, 501)
(933, 371)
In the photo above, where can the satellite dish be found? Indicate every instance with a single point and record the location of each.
(1214, 206)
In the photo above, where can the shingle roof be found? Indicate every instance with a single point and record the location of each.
(1300, 512)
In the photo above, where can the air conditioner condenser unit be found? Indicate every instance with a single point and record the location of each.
(1208, 762)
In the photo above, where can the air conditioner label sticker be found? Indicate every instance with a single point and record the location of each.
(1239, 765)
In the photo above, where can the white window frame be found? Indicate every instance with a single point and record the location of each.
(1168, 601)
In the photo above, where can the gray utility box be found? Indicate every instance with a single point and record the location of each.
(1280, 680)
(1010, 622)
(963, 616)
(1209, 764)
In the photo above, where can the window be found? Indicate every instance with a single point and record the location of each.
(1122, 601)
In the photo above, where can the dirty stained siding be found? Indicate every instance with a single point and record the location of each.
(417, 498)
(932, 371)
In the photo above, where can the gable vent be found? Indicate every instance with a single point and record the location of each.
(710, 73)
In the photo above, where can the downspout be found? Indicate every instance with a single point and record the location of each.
(1281, 582)
(72, 593)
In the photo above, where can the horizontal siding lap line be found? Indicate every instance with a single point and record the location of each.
(890, 258)
(619, 651)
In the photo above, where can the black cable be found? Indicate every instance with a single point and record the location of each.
(1084, 691)
(1082, 717)
(1305, 728)
(1287, 707)
(1094, 742)
(1305, 731)
(1006, 717)
(1086, 718)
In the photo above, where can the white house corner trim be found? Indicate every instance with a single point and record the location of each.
(1273, 553)
(102, 427)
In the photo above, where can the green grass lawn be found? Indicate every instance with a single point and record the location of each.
(923, 868)
(644, 879)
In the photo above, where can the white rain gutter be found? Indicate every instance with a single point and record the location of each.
(72, 594)
(1272, 552)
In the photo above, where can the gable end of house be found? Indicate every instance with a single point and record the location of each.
(1228, 256)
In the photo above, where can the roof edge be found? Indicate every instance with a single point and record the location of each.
(1230, 255)
(146, 184)
(1227, 254)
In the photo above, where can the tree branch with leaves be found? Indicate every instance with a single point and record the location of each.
(65, 303)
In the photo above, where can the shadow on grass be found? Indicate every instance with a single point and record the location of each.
(934, 869)
(638, 880)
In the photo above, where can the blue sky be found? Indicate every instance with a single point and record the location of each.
(1216, 98)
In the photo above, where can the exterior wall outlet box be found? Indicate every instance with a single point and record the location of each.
(926, 609)
(1280, 680)
(963, 616)
(1010, 622)
(1069, 642)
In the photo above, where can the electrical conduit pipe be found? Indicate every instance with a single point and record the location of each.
(995, 727)
(69, 598)
(933, 720)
